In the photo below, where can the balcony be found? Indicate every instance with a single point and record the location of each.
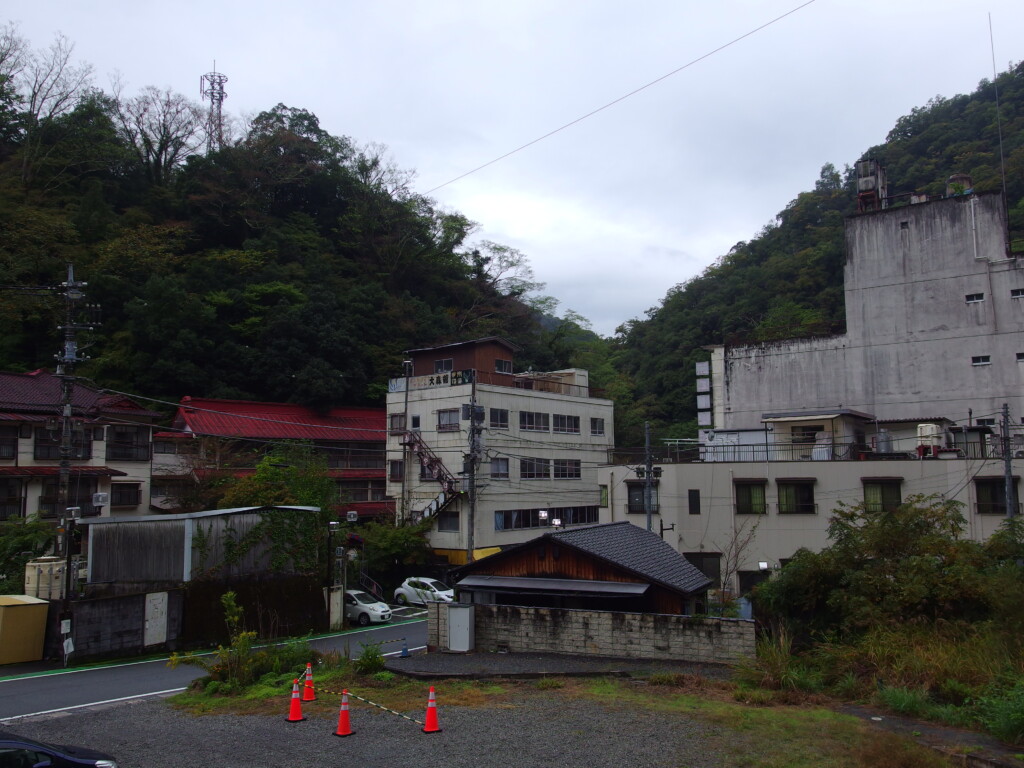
(121, 452)
(48, 507)
(637, 508)
(992, 508)
(11, 508)
(693, 454)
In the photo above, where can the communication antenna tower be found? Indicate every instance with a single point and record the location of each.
(211, 86)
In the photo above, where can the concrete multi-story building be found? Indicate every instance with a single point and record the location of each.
(909, 401)
(109, 457)
(492, 454)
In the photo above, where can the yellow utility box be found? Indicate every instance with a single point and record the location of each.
(22, 628)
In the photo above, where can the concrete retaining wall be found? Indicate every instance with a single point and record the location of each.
(518, 629)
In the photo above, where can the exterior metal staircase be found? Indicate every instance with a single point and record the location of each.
(435, 468)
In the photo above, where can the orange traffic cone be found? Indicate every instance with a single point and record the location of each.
(308, 694)
(431, 726)
(344, 728)
(295, 710)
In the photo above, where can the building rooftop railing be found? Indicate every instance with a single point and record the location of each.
(536, 382)
(690, 454)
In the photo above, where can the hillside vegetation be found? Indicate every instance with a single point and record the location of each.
(288, 264)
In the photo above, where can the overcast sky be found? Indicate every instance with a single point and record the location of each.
(616, 209)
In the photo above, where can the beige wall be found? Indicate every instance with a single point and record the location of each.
(517, 629)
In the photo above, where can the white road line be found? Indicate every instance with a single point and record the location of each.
(90, 704)
(410, 650)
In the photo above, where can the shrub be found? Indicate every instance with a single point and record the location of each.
(905, 701)
(384, 676)
(370, 659)
(1002, 713)
(549, 684)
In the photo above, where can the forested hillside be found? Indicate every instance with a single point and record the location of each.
(286, 265)
(289, 264)
(787, 282)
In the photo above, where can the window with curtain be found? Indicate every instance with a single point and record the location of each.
(796, 497)
(882, 495)
(750, 498)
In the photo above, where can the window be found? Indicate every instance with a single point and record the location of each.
(806, 434)
(341, 455)
(503, 366)
(448, 519)
(125, 494)
(396, 470)
(516, 519)
(127, 443)
(796, 497)
(708, 563)
(174, 487)
(443, 366)
(531, 421)
(569, 425)
(10, 499)
(364, 489)
(8, 442)
(602, 491)
(750, 497)
(991, 495)
(881, 494)
(414, 424)
(47, 444)
(596, 426)
(981, 360)
(974, 298)
(750, 579)
(499, 468)
(448, 420)
(396, 422)
(1020, 357)
(535, 469)
(635, 497)
(499, 418)
(1017, 293)
(567, 469)
(985, 422)
(693, 500)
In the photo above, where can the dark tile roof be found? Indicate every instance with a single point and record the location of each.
(40, 392)
(638, 550)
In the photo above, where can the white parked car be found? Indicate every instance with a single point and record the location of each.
(421, 590)
(363, 608)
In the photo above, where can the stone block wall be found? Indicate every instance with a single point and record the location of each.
(518, 629)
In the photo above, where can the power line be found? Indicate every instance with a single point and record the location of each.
(622, 98)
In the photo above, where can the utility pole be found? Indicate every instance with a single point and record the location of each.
(406, 443)
(648, 475)
(1011, 502)
(475, 428)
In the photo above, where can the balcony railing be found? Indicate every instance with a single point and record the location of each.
(992, 508)
(692, 454)
(11, 508)
(48, 507)
(638, 508)
(47, 451)
(127, 452)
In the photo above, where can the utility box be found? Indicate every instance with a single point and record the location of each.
(44, 577)
(461, 637)
(22, 628)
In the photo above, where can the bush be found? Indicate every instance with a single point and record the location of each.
(371, 659)
(1002, 713)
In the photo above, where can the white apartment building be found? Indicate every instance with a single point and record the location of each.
(532, 462)
(909, 401)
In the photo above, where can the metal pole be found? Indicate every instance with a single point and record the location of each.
(473, 432)
(648, 475)
(406, 445)
(1011, 502)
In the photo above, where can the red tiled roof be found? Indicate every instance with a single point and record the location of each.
(39, 392)
(279, 421)
(54, 471)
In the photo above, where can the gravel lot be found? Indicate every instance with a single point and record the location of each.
(542, 729)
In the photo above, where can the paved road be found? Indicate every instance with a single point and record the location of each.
(65, 689)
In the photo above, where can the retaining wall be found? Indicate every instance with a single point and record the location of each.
(519, 629)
